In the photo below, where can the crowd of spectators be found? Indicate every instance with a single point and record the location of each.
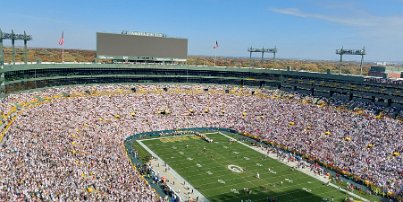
(69, 146)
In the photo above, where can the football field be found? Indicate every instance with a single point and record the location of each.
(231, 171)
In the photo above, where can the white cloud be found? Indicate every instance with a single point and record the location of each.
(383, 27)
(350, 21)
(381, 33)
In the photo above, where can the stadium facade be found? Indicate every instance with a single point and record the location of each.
(386, 71)
(141, 47)
(15, 78)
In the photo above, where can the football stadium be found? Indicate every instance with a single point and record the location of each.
(144, 126)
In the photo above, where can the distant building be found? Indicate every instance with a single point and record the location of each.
(381, 63)
(386, 71)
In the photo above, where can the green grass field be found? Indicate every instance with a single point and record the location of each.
(205, 166)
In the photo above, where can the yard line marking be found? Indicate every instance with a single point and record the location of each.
(307, 173)
(282, 174)
(174, 173)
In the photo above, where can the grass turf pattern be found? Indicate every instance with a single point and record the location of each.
(205, 166)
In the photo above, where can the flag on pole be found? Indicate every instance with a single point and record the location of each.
(61, 40)
(215, 45)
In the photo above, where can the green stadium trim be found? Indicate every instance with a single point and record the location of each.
(15, 78)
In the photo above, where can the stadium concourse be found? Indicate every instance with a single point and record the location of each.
(67, 143)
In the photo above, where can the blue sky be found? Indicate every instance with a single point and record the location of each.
(304, 29)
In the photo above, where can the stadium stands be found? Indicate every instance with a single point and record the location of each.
(25, 77)
(67, 143)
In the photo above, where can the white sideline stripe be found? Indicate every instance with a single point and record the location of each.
(164, 137)
(209, 133)
(256, 149)
(195, 191)
(304, 171)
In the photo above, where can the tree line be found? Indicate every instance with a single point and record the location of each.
(74, 55)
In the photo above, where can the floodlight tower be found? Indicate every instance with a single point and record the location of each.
(362, 53)
(262, 50)
(1, 49)
(26, 39)
(342, 52)
(12, 36)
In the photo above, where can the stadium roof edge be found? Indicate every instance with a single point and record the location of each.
(345, 77)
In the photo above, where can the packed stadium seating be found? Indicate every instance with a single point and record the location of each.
(349, 87)
(67, 143)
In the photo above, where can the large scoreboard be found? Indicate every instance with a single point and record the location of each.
(141, 46)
